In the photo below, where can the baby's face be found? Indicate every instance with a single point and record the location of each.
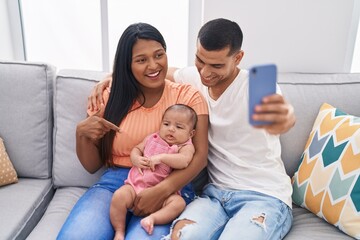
(176, 127)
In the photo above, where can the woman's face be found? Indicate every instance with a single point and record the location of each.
(149, 63)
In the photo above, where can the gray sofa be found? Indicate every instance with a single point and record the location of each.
(40, 108)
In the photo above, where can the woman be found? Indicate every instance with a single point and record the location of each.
(139, 95)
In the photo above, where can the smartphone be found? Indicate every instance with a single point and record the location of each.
(262, 82)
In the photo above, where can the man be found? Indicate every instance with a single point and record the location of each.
(249, 192)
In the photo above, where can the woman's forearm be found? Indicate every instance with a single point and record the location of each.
(88, 153)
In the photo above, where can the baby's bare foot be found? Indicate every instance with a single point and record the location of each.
(119, 236)
(148, 224)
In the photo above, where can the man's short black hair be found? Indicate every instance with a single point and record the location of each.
(220, 33)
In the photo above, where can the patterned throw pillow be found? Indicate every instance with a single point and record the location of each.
(327, 180)
(7, 172)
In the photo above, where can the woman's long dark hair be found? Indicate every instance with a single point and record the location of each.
(125, 89)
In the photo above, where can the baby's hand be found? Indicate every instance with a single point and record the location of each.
(141, 163)
(154, 160)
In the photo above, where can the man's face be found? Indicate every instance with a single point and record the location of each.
(217, 68)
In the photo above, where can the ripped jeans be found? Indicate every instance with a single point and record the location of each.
(90, 217)
(228, 214)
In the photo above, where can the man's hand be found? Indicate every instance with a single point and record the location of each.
(275, 109)
(148, 201)
(96, 96)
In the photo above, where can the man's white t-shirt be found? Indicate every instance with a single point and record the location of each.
(241, 157)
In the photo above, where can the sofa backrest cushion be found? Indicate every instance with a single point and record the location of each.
(26, 120)
(72, 87)
(307, 92)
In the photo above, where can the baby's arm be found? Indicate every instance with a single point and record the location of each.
(178, 160)
(137, 157)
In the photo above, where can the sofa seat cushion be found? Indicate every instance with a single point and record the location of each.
(22, 205)
(307, 225)
(56, 213)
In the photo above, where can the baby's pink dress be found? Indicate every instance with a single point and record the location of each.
(154, 145)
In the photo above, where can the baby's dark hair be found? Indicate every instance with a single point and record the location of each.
(185, 108)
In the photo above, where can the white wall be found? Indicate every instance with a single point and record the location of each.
(11, 44)
(6, 48)
(168, 16)
(355, 67)
(297, 35)
(62, 33)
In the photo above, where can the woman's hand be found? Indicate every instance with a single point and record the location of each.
(95, 126)
(149, 200)
(88, 135)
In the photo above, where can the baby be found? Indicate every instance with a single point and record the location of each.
(153, 160)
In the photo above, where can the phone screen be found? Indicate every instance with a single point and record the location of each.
(262, 82)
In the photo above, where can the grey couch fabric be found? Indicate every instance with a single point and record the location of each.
(26, 123)
(71, 91)
(39, 112)
(307, 92)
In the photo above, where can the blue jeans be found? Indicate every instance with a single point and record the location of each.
(228, 214)
(90, 217)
